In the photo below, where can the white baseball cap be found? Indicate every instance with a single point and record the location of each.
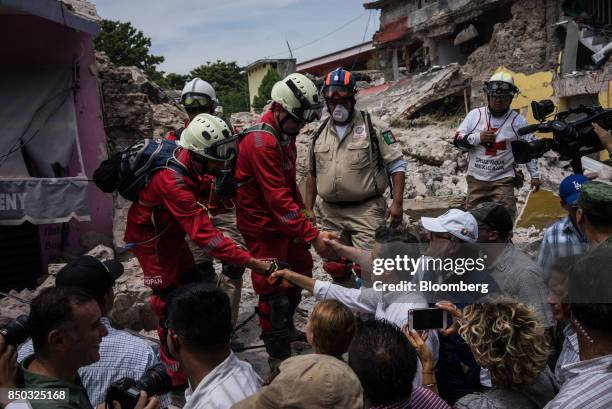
(456, 222)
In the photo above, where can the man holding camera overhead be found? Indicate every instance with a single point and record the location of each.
(486, 134)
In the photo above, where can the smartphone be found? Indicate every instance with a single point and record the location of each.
(427, 318)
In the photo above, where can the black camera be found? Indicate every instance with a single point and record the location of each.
(571, 139)
(126, 391)
(16, 331)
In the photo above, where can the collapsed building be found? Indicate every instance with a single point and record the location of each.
(556, 49)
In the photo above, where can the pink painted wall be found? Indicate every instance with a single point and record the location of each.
(28, 41)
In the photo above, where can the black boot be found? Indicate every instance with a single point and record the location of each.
(278, 347)
(295, 335)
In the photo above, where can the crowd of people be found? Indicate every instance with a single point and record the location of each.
(538, 334)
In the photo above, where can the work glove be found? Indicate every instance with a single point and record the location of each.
(277, 281)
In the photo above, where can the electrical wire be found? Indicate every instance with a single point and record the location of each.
(323, 37)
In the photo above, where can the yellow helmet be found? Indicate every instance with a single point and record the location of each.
(501, 83)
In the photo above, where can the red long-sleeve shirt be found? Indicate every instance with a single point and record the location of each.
(170, 203)
(269, 202)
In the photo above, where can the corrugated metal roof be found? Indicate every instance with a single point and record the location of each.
(337, 55)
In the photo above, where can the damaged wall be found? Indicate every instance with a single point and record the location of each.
(525, 44)
(134, 107)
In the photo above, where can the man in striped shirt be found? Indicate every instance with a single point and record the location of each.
(588, 383)
(199, 328)
(563, 238)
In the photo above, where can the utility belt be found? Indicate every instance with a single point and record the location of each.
(353, 203)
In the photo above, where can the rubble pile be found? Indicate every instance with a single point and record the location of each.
(405, 98)
(243, 120)
(134, 107)
(526, 43)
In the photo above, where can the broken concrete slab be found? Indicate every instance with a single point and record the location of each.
(432, 206)
(134, 107)
(404, 99)
(466, 35)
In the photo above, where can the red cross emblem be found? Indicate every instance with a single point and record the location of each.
(491, 149)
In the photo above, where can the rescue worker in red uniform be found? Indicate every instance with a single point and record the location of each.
(199, 97)
(270, 211)
(169, 207)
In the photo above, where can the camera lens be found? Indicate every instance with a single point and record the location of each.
(156, 381)
(16, 331)
(524, 152)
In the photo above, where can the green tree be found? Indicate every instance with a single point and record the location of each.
(127, 46)
(265, 88)
(229, 82)
(173, 81)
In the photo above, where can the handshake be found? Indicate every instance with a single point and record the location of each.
(325, 244)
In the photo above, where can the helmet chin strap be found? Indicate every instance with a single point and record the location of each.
(282, 128)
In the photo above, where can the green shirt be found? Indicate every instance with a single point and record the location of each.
(77, 395)
(607, 243)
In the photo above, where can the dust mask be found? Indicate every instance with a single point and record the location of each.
(340, 114)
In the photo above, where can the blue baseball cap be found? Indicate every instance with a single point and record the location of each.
(570, 187)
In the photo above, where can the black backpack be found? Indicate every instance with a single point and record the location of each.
(128, 172)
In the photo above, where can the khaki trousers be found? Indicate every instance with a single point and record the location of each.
(355, 223)
(226, 223)
(499, 191)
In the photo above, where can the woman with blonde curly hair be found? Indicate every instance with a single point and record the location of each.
(507, 339)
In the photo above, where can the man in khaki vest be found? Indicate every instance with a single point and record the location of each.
(349, 168)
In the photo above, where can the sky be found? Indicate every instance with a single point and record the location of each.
(189, 33)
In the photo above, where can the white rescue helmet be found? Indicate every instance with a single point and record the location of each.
(299, 96)
(209, 136)
(198, 93)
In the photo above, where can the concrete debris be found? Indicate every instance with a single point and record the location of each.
(102, 252)
(431, 144)
(131, 307)
(466, 35)
(405, 98)
(243, 120)
(432, 206)
(134, 107)
(527, 43)
(82, 8)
